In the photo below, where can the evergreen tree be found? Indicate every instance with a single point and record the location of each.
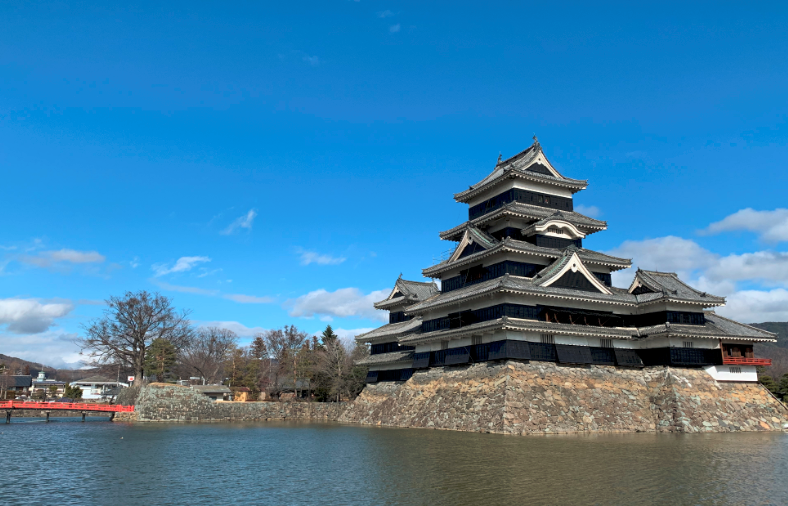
(769, 383)
(72, 392)
(328, 336)
(159, 358)
(782, 387)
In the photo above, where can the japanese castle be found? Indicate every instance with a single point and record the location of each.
(520, 285)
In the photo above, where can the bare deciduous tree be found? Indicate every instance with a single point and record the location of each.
(206, 353)
(130, 323)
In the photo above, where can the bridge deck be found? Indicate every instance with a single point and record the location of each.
(71, 406)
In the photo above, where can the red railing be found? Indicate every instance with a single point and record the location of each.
(46, 406)
(746, 361)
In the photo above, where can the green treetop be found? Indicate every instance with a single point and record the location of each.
(159, 358)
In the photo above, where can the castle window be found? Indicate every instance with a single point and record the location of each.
(476, 339)
(606, 343)
(735, 370)
(688, 344)
(547, 339)
(444, 345)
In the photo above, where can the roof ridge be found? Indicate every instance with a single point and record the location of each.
(745, 324)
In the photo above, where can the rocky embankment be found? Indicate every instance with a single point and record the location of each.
(509, 398)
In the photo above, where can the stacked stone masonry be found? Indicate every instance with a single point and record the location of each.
(510, 398)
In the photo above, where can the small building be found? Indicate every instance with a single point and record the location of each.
(42, 383)
(242, 394)
(98, 387)
(16, 385)
(215, 392)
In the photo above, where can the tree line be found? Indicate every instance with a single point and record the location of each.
(144, 335)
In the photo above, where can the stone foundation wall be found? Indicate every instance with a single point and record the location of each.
(171, 403)
(509, 398)
(543, 397)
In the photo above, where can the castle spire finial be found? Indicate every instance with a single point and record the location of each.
(536, 141)
(499, 157)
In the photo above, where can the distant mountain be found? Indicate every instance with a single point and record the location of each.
(17, 364)
(778, 351)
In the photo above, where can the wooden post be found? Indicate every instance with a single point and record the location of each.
(83, 416)
(8, 416)
(111, 416)
(47, 416)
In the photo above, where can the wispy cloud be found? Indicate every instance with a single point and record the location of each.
(312, 60)
(184, 289)
(237, 327)
(313, 257)
(183, 264)
(592, 211)
(385, 14)
(247, 299)
(771, 226)
(64, 256)
(394, 28)
(246, 221)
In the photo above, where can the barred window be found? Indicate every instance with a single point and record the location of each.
(688, 344)
(547, 339)
(606, 343)
(735, 370)
(444, 345)
(476, 340)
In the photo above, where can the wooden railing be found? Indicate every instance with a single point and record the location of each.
(73, 406)
(746, 361)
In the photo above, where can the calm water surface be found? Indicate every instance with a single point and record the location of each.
(100, 463)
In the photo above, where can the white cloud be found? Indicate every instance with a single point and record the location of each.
(237, 327)
(312, 60)
(770, 267)
(247, 299)
(63, 256)
(183, 264)
(54, 348)
(312, 257)
(394, 28)
(30, 316)
(667, 254)
(771, 226)
(135, 263)
(385, 14)
(757, 306)
(342, 303)
(246, 221)
(592, 211)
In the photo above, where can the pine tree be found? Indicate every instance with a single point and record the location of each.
(769, 383)
(782, 387)
(328, 336)
(159, 358)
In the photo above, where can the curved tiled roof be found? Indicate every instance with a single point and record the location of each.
(391, 331)
(393, 357)
(509, 244)
(517, 167)
(407, 292)
(668, 283)
(528, 211)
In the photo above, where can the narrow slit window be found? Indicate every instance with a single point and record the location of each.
(606, 343)
(547, 339)
(688, 344)
(477, 339)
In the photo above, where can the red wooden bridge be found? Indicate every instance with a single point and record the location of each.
(64, 406)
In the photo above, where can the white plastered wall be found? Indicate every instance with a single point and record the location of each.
(732, 372)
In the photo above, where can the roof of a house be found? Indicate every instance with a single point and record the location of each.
(530, 164)
(407, 292)
(391, 331)
(526, 211)
(511, 245)
(386, 358)
(96, 379)
(212, 389)
(16, 381)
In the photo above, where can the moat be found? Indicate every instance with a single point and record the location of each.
(99, 463)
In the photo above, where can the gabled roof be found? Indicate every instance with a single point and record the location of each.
(525, 212)
(96, 379)
(391, 331)
(473, 236)
(570, 262)
(393, 357)
(654, 284)
(512, 245)
(530, 164)
(407, 292)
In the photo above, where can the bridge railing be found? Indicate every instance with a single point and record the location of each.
(45, 406)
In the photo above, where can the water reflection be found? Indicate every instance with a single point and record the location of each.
(111, 463)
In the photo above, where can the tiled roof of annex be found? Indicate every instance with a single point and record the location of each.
(407, 292)
(527, 211)
(386, 358)
(390, 331)
(668, 284)
(518, 167)
(512, 245)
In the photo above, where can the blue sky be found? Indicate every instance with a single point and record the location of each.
(271, 164)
